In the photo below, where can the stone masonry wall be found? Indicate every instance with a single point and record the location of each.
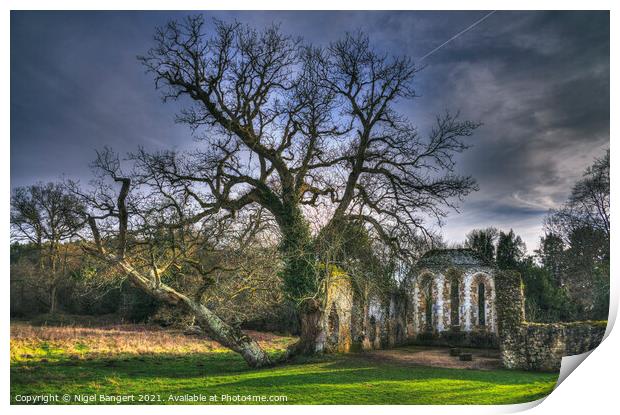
(336, 321)
(535, 346)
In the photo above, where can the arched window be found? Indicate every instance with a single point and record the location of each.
(427, 292)
(454, 302)
(481, 305)
(429, 314)
(333, 324)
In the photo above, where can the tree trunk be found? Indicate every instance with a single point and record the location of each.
(53, 271)
(217, 329)
(301, 282)
(53, 302)
(229, 336)
(311, 336)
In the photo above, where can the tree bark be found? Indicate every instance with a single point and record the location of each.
(229, 336)
(301, 280)
(217, 329)
(311, 337)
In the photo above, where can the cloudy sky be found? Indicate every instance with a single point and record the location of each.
(539, 81)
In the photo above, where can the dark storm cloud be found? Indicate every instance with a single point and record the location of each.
(540, 84)
(539, 81)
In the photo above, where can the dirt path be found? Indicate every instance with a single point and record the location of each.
(437, 357)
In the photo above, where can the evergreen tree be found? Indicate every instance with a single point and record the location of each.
(551, 255)
(510, 250)
(483, 242)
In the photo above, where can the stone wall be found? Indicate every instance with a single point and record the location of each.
(535, 346)
(336, 323)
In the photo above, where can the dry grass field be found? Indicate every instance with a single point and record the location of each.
(115, 340)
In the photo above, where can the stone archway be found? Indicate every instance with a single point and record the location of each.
(333, 327)
(426, 300)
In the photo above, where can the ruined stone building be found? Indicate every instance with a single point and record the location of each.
(449, 297)
(451, 290)
(452, 297)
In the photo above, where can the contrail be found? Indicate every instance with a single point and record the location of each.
(476, 23)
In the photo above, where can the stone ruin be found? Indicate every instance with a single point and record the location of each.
(453, 298)
(538, 346)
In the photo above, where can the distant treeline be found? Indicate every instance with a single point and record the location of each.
(567, 278)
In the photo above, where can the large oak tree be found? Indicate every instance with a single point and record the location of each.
(303, 130)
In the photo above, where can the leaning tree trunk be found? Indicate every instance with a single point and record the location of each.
(217, 329)
(229, 336)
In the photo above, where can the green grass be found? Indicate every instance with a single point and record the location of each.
(160, 363)
(328, 379)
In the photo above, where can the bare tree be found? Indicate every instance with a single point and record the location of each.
(581, 238)
(150, 232)
(301, 130)
(588, 205)
(46, 215)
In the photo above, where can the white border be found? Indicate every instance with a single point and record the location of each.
(592, 388)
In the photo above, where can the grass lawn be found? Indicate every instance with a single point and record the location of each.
(162, 365)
